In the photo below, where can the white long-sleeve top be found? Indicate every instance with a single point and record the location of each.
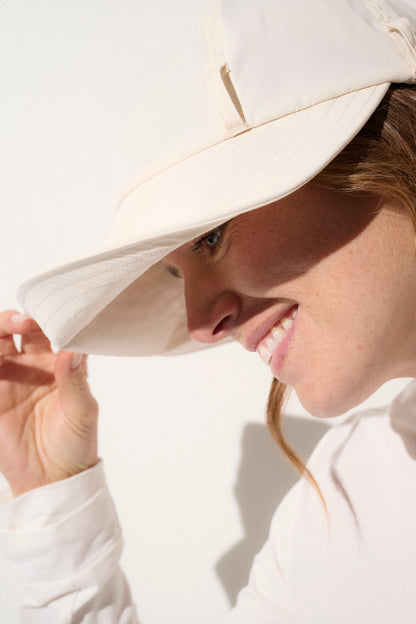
(358, 566)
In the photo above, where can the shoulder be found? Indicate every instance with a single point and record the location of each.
(366, 469)
(370, 442)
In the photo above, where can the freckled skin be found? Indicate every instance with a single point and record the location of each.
(349, 264)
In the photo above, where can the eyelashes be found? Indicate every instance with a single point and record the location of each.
(210, 241)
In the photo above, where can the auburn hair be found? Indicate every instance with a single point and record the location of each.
(381, 160)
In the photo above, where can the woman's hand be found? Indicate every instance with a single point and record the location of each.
(48, 416)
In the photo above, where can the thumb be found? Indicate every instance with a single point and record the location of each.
(71, 379)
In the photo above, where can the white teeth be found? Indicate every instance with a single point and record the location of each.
(278, 333)
(274, 337)
(265, 354)
(270, 343)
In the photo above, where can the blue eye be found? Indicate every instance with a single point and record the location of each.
(211, 239)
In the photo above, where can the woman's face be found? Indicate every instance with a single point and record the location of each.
(321, 285)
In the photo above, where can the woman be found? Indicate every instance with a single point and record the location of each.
(308, 260)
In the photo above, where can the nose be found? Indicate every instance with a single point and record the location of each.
(211, 315)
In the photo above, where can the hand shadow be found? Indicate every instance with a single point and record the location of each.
(264, 477)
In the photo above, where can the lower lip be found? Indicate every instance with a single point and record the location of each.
(281, 351)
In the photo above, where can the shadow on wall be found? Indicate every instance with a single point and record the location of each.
(264, 477)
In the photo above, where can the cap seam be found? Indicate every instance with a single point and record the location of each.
(81, 294)
(80, 281)
(219, 142)
(180, 228)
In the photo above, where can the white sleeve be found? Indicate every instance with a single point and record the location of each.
(64, 542)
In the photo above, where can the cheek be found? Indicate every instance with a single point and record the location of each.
(267, 257)
(352, 338)
(337, 361)
(263, 265)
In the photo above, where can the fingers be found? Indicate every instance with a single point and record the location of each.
(13, 322)
(71, 378)
(35, 341)
(25, 375)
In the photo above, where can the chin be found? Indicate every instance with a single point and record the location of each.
(324, 402)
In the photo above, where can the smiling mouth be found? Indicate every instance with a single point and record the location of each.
(275, 335)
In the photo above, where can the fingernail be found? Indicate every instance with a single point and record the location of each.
(76, 360)
(20, 318)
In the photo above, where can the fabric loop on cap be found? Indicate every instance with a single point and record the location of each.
(220, 83)
(401, 31)
(406, 40)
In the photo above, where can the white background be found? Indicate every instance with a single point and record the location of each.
(193, 471)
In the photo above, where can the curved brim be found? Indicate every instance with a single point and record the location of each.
(121, 300)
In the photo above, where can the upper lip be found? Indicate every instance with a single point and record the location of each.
(252, 340)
